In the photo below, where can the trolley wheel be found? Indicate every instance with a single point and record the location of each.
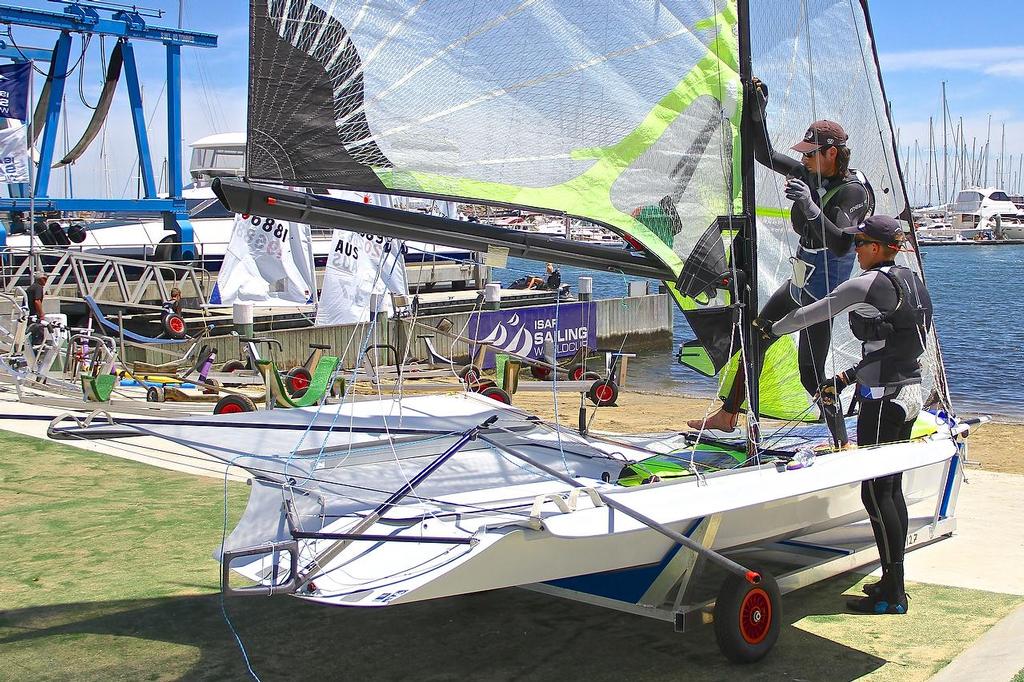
(603, 392)
(233, 404)
(497, 394)
(174, 325)
(748, 617)
(470, 374)
(577, 372)
(232, 366)
(539, 372)
(297, 380)
(592, 376)
(212, 387)
(155, 394)
(481, 385)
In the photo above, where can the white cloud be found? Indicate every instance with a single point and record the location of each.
(1014, 69)
(981, 59)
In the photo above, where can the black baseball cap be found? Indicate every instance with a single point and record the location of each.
(880, 228)
(820, 134)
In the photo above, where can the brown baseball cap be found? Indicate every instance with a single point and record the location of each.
(820, 134)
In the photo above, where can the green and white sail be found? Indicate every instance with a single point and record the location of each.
(626, 113)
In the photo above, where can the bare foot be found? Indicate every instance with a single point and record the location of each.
(719, 421)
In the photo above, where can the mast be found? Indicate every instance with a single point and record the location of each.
(1002, 158)
(945, 148)
(988, 141)
(747, 288)
(931, 155)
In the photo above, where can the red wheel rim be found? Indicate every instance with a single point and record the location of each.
(603, 393)
(176, 324)
(471, 377)
(541, 372)
(755, 616)
(577, 374)
(499, 396)
(299, 382)
(230, 408)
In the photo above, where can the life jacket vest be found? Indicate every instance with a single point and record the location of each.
(903, 330)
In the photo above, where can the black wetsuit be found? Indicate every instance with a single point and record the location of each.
(822, 243)
(892, 325)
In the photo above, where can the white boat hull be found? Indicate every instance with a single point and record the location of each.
(492, 523)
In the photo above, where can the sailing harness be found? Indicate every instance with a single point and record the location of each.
(817, 271)
(896, 339)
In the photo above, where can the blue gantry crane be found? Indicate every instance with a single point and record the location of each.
(127, 24)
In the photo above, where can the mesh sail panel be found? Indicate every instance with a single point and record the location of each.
(818, 59)
(623, 112)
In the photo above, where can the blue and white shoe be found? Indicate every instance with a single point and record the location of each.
(878, 605)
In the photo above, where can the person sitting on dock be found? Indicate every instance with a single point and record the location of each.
(890, 313)
(827, 197)
(175, 304)
(554, 280)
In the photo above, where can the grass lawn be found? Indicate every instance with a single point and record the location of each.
(106, 573)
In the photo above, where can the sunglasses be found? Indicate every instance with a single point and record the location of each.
(858, 242)
(814, 152)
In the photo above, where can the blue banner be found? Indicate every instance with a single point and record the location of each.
(14, 86)
(566, 327)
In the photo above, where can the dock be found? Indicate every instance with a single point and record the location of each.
(642, 322)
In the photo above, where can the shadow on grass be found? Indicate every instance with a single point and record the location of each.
(501, 635)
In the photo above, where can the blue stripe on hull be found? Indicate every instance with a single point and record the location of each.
(628, 584)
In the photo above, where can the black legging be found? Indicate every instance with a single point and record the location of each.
(883, 421)
(812, 348)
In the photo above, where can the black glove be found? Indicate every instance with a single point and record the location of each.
(801, 194)
(763, 328)
(759, 93)
(830, 389)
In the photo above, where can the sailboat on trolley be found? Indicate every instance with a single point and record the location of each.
(630, 115)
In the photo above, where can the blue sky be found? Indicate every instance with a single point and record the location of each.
(977, 50)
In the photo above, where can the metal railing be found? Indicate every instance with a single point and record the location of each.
(73, 275)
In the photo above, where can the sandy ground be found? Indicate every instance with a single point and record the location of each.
(993, 445)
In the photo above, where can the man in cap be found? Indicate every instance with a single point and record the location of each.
(827, 197)
(890, 313)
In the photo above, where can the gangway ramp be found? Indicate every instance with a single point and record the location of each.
(109, 280)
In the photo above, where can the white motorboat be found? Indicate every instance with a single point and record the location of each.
(978, 210)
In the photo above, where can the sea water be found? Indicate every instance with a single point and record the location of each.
(978, 294)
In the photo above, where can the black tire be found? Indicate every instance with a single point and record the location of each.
(577, 372)
(603, 392)
(540, 373)
(174, 325)
(233, 404)
(592, 376)
(297, 381)
(470, 374)
(232, 366)
(481, 385)
(164, 252)
(76, 233)
(748, 617)
(498, 394)
(202, 356)
(155, 394)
